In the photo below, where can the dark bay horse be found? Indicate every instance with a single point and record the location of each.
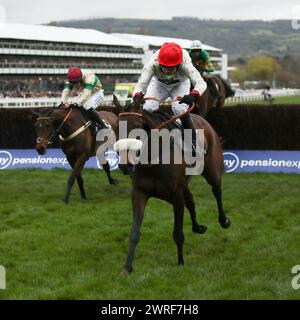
(78, 146)
(209, 99)
(168, 182)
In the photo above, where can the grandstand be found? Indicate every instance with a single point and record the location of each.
(34, 59)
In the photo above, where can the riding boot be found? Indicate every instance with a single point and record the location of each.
(212, 87)
(187, 123)
(230, 92)
(94, 116)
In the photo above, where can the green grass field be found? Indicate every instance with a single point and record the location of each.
(279, 100)
(55, 251)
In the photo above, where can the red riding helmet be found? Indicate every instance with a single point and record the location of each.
(170, 54)
(74, 75)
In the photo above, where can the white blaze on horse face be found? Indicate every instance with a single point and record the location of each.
(127, 149)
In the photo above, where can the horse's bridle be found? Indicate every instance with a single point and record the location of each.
(40, 139)
(56, 132)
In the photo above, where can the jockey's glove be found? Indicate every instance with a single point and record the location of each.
(64, 105)
(74, 105)
(137, 96)
(189, 98)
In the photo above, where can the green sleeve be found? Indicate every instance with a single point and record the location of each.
(88, 86)
(209, 69)
(204, 55)
(68, 85)
(208, 66)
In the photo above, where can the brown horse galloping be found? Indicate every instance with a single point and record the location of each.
(168, 182)
(209, 100)
(78, 146)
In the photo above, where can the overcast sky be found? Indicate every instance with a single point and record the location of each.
(39, 11)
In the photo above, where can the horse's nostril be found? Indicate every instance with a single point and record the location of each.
(41, 150)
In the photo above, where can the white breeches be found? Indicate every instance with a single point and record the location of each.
(94, 100)
(162, 91)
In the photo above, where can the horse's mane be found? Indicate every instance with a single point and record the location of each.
(44, 112)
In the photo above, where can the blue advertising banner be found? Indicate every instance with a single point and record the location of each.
(54, 158)
(262, 161)
(234, 160)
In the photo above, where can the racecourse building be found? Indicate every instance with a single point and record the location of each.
(152, 43)
(35, 59)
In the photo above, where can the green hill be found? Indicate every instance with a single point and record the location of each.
(235, 37)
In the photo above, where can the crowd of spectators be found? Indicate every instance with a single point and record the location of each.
(31, 88)
(48, 87)
(30, 94)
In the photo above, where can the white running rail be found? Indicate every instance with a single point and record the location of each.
(240, 97)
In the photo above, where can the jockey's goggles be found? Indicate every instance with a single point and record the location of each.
(169, 70)
(74, 81)
(195, 52)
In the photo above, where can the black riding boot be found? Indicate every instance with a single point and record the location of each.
(229, 90)
(94, 116)
(212, 87)
(187, 123)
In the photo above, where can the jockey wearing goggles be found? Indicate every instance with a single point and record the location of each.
(170, 74)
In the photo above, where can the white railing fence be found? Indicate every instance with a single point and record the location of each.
(44, 102)
(240, 97)
(252, 95)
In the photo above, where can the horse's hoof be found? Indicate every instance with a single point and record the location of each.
(114, 181)
(199, 228)
(127, 270)
(66, 200)
(226, 223)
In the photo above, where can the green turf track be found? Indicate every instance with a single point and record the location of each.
(76, 251)
(279, 100)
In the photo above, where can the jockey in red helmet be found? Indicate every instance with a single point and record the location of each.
(91, 92)
(169, 74)
(74, 75)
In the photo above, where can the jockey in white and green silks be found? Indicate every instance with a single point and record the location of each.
(201, 60)
(91, 93)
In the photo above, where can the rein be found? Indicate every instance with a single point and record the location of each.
(161, 101)
(173, 119)
(60, 126)
(165, 123)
